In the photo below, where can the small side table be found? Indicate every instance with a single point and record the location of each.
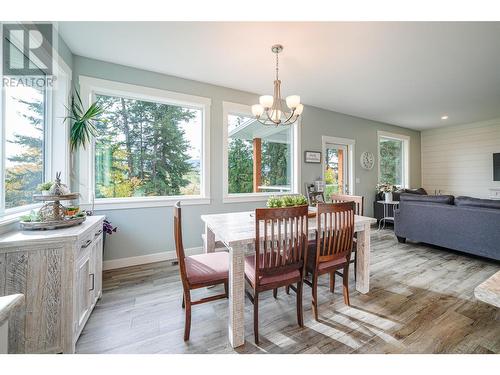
(386, 217)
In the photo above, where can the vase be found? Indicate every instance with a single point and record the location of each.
(388, 197)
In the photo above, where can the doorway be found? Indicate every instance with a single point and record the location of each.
(337, 168)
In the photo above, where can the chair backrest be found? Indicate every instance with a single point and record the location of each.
(357, 199)
(179, 247)
(334, 231)
(281, 239)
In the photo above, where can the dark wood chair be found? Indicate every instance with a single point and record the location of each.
(198, 271)
(359, 202)
(332, 248)
(280, 251)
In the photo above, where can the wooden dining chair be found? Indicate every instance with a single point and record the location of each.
(358, 210)
(280, 251)
(198, 271)
(331, 250)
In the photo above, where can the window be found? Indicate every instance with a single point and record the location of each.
(149, 146)
(393, 159)
(24, 143)
(259, 160)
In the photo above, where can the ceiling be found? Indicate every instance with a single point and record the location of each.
(403, 73)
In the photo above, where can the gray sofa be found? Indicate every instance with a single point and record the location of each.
(466, 224)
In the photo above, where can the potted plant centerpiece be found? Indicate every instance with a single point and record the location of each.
(387, 189)
(286, 201)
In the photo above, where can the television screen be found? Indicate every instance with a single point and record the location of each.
(496, 167)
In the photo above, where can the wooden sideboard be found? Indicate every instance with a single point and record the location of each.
(60, 274)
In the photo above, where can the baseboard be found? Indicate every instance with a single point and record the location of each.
(145, 259)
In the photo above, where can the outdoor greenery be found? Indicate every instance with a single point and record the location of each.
(24, 150)
(141, 150)
(391, 161)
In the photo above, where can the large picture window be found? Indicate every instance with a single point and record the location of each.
(149, 144)
(145, 148)
(23, 142)
(260, 159)
(393, 159)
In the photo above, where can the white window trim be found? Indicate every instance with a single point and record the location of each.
(406, 154)
(229, 107)
(351, 146)
(89, 87)
(54, 139)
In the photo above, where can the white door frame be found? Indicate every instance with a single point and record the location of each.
(350, 144)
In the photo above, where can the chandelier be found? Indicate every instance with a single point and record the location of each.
(270, 110)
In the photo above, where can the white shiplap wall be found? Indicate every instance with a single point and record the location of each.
(458, 159)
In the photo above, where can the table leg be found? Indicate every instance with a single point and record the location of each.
(363, 260)
(236, 296)
(209, 243)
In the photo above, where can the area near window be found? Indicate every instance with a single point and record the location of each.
(393, 152)
(150, 146)
(259, 160)
(24, 144)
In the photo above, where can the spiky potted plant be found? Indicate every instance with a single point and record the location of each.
(83, 126)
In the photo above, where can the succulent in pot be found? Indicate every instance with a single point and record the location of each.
(71, 211)
(44, 188)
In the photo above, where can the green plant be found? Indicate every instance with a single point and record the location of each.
(45, 186)
(286, 201)
(83, 127)
(33, 216)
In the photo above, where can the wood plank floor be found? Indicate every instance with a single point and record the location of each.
(421, 301)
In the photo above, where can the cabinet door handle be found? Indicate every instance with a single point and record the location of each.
(86, 244)
(98, 233)
(93, 282)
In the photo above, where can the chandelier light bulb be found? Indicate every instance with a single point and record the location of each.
(257, 110)
(266, 101)
(292, 101)
(299, 109)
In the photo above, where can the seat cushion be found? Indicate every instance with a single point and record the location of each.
(204, 268)
(311, 259)
(264, 280)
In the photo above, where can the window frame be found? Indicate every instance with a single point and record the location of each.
(89, 87)
(56, 101)
(405, 139)
(246, 110)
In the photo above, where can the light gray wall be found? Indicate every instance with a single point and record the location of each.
(149, 230)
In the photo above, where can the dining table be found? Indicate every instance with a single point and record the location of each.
(236, 231)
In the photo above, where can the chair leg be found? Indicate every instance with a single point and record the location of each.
(332, 281)
(315, 296)
(287, 289)
(256, 317)
(183, 303)
(187, 324)
(275, 292)
(226, 290)
(345, 282)
(300, 316)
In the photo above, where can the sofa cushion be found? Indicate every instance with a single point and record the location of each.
(439, 199)
(477, 202)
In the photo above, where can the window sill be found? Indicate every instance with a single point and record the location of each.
(143, 202)
(252, 197)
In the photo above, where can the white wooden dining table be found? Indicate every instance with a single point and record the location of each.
(236, 230)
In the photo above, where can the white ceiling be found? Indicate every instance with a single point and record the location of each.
(402, 73)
